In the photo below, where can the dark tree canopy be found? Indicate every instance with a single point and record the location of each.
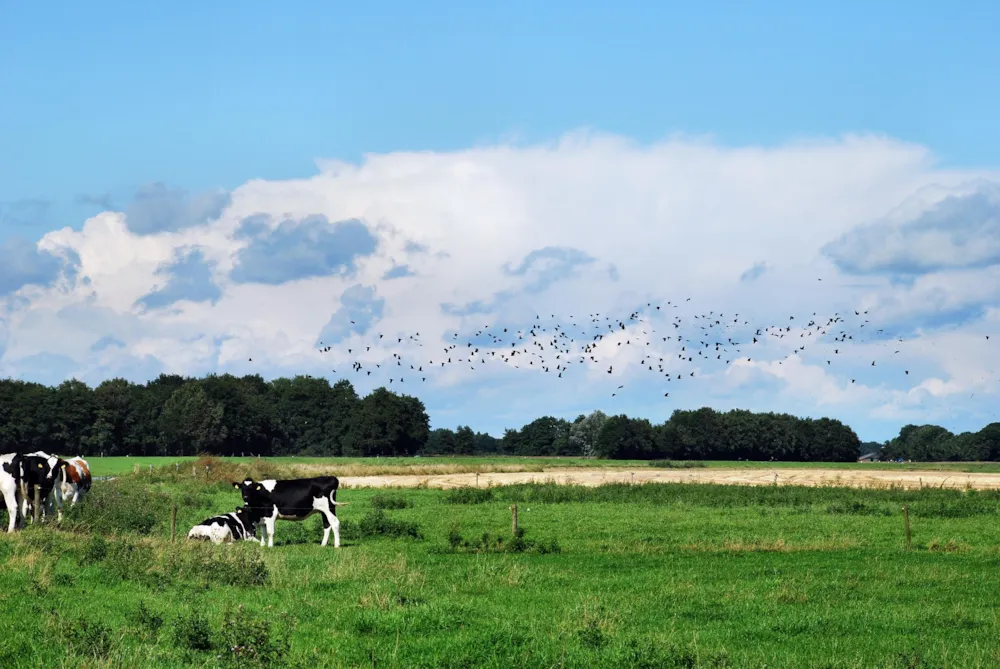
(229, 415)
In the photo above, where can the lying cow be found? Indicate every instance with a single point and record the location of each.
(73, 483)
(229, 527)
(294, 499)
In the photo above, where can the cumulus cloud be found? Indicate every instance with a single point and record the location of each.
(311, 247)
(501, 235)
(22, 263)
(189, 277)
(157, 208)
(359, 310)
(936, 230)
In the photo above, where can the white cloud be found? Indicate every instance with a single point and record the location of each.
(683, 218)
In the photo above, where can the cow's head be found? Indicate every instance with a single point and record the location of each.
(249, 489)
(40, 469)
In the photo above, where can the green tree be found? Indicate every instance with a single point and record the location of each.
(192, 422)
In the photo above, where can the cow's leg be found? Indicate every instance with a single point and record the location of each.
(23, 507)
(57, 496)
(269, 527)
(330, 522)
(11, 500)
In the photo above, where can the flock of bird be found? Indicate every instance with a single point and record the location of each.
(670, 341)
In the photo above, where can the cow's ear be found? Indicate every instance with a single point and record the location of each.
(236, 485)
(258, 486)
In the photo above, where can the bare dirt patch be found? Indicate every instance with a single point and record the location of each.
(593, 477)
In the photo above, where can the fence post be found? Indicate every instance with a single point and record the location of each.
(906, 519)
(477, 479)
(37, 511)
(173, 522)
(513, 524)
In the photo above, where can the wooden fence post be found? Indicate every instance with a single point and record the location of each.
(477, 479)
(906, 519)
(173, 522)
(513, 524)
(37, 511)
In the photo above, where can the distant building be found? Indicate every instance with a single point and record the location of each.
(869, 457)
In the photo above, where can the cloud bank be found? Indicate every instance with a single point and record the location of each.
(442, 243)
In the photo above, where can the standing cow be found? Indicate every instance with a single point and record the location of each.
(74, 482)
(41, 470)
(294, 499)
(11, 465)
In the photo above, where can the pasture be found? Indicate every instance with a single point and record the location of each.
(654, 575)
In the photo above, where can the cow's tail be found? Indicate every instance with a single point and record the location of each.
(333, 499)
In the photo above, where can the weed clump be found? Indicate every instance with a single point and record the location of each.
(677, 464)
(468, 495)
(389, 502)
(193, 632)
(378, 524)
(490, 543)
(89, 638)
(248, 641)
(121, 506)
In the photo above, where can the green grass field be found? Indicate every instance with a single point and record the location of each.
(657, 575)
(122, 465)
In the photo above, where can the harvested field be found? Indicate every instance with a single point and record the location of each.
(854, 478)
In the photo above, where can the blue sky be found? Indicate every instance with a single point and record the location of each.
(191, 115)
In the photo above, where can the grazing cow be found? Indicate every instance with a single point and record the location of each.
(229, 527)
(73, 483)
(38, 469)
(10, 486)
(294, 499)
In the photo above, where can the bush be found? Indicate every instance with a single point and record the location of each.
(383, 501)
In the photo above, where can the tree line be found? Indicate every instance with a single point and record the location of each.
(304, 415)
(932, 443)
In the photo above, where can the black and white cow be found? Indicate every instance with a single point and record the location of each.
(38, 469)
(10, 486)
(229, 527)
(294, 499)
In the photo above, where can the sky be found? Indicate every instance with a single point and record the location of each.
(220, 187)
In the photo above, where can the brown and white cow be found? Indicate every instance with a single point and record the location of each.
(74, 482)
